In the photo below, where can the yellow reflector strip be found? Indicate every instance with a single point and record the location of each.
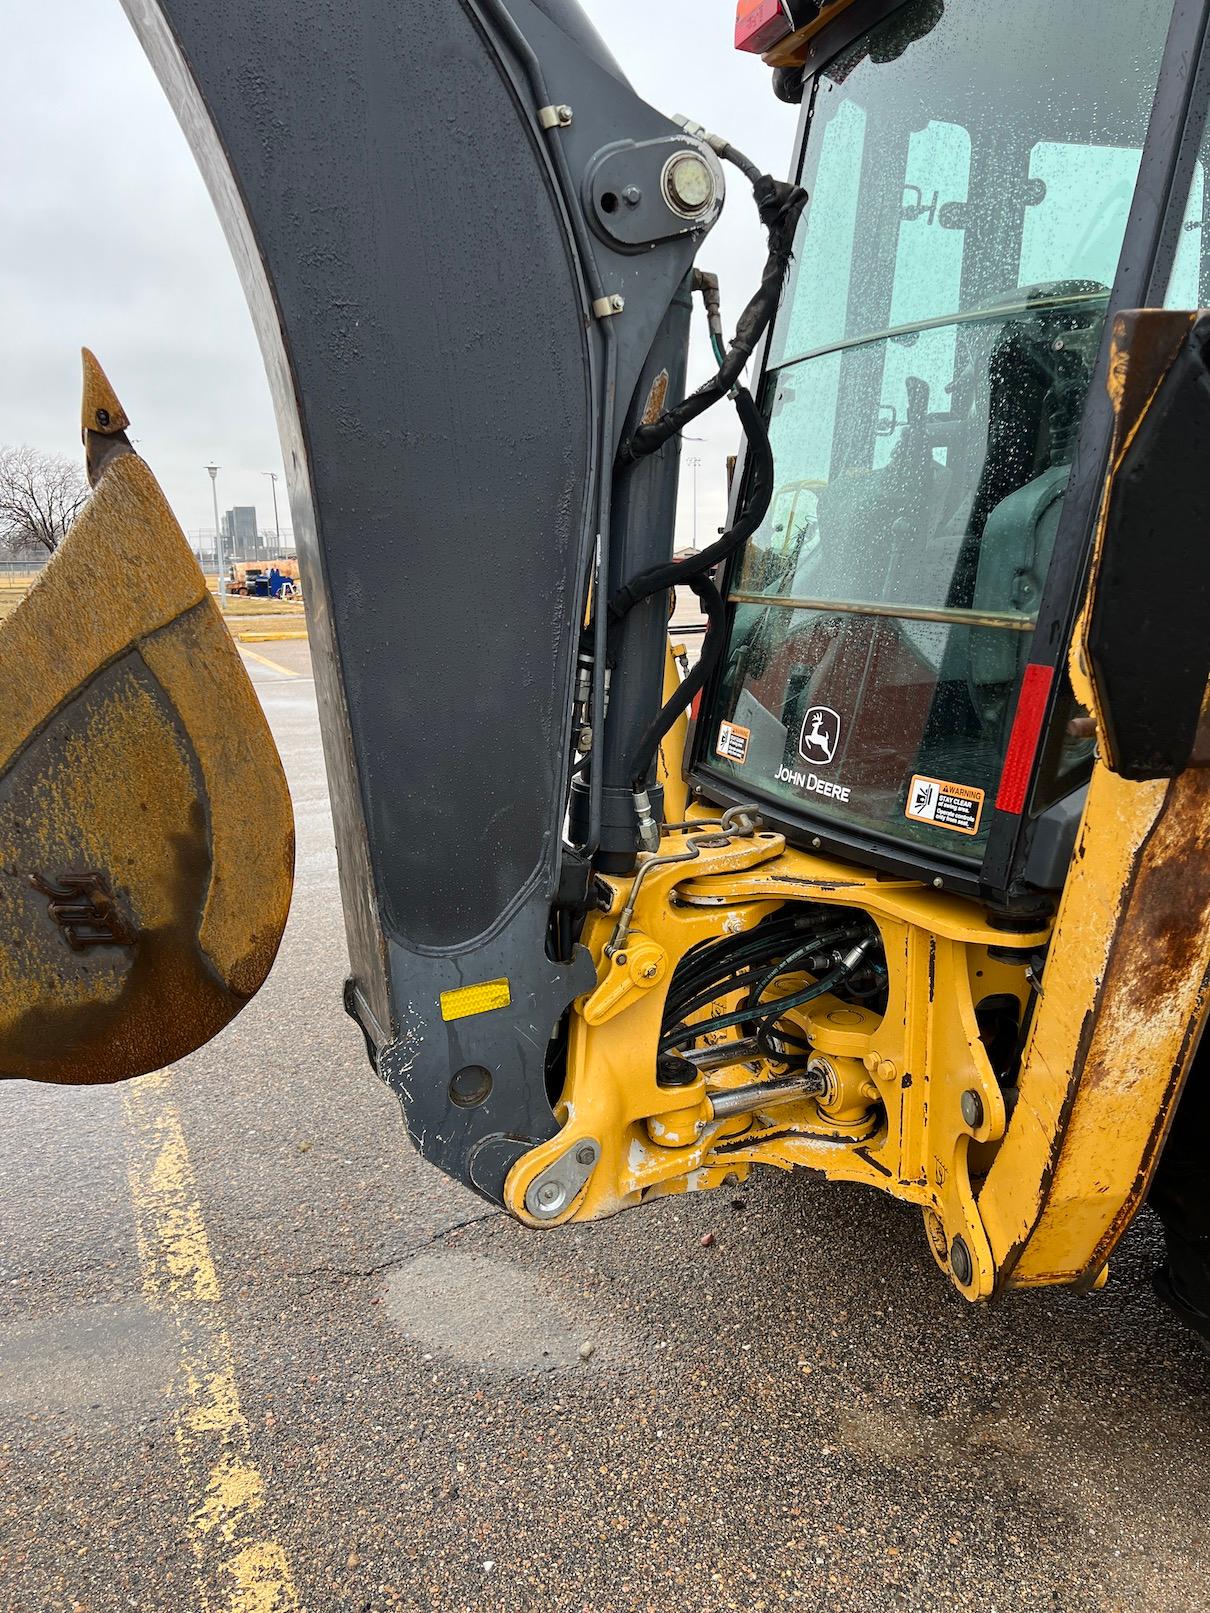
(468, 1000)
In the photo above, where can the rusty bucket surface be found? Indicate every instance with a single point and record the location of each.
(146, 832)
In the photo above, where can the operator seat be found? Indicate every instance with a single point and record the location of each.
(1039, 372)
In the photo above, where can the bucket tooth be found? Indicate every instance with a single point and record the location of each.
(103, 421)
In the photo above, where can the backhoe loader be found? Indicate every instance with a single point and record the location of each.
(920, 897)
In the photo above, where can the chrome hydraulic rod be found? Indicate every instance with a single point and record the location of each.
(748, 1100)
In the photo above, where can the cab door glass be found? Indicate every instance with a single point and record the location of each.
(1076, 206)
(927, 379)
(928, 276)
(1189, 283)
(929, 251)
(816, 314)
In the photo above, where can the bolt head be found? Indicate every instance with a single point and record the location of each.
(586, 1155)
(972, 1109)
(689, 184)
(961, 1264)
(632, 195)
(617, 302)
(549, 1194)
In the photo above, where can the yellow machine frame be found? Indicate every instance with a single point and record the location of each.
(1039, 1195)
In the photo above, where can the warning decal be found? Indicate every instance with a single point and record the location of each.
(949, 806)
(733, 742)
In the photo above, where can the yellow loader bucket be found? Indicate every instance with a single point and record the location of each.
(146, 834)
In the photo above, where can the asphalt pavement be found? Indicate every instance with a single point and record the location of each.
(256, 1356)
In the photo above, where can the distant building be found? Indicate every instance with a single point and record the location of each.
(240, 533)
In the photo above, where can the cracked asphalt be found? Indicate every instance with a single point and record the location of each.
(445, 1411)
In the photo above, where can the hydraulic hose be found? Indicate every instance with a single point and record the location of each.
(745, 1016)
(815, 947)
(780, 206)
(694, 573)
(720, 963)
(676, 573)
(707, 991)
(648, 743)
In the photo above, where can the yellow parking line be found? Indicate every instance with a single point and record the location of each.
(240, 1568)
(263, 660)
(268, 638)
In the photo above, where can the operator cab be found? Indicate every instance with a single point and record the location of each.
(894, 685)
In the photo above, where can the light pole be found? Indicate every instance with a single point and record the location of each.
(272, 475)
(694, 463)
(218, 540)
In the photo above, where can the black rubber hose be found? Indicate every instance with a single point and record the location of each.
(710, 992)
(800, 955)
(779, 946)
(648, 744)
(719, 965)
(769, 1028)
(761, 1011)
(676, 573)
(693, 573)
(733, 155)
(780, 206)
(677, 1011)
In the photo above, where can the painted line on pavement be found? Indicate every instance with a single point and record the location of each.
(240, 1567)
(263, 660)
(268, 638)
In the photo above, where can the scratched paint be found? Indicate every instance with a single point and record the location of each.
(240, 1568)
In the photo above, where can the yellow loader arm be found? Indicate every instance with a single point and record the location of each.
(146, 833)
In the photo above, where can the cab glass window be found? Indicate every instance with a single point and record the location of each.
(971, 167)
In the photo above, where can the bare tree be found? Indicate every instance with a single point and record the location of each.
(40, 496)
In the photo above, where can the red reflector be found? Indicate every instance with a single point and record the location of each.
(1023, 742)
(759, 24)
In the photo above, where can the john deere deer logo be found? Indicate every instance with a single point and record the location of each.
(820, 735)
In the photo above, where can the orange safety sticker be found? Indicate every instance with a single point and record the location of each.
(948, 806)
(733, 742)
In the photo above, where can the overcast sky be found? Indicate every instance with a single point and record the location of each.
(108, 239)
